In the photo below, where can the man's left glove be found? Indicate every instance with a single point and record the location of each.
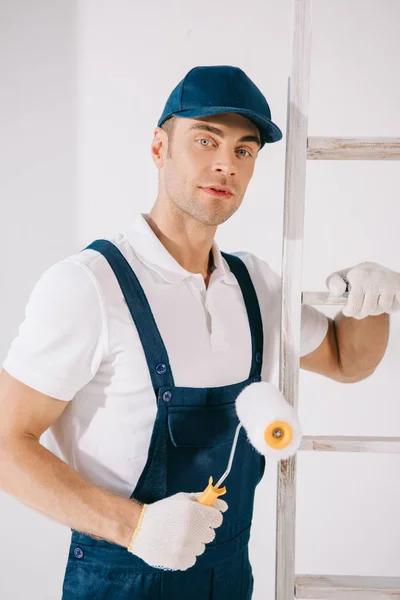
(373, 289)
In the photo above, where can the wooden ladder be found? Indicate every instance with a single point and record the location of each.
(299, 148)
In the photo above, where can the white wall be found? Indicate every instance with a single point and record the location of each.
(83, 86)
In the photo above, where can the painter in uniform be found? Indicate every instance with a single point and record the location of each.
(149, 357)
(194, 426)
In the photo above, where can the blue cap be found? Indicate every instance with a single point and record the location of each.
(212, 90)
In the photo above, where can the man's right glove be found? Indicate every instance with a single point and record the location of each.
(172, 532)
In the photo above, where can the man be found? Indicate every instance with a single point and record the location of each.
(133, 352)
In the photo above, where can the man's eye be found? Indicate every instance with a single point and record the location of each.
(209, 141)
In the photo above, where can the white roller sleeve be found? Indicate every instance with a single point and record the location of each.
(258, 405)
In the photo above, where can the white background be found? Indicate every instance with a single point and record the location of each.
(83, 85)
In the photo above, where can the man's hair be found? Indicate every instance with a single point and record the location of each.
(169, 128)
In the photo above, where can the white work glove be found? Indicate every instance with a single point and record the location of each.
(373, 289)
(174, 531)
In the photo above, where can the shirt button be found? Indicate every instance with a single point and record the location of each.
(255, 379)
(258, 357)
(161, 368)
(167, 396)
(78, 553)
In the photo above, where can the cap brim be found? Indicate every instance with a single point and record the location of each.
(270, 132)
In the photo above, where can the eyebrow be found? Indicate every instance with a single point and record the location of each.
(217, 131)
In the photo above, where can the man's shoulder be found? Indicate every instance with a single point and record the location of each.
(91, 258)
(260, 270)
(82, 271)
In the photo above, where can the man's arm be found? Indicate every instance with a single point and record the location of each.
(351, 350)
(42, 481)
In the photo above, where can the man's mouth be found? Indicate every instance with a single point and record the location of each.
(218, 193)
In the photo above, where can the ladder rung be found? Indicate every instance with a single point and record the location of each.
(342, 587)
(325, 443)
(351, 148)
(323, 298)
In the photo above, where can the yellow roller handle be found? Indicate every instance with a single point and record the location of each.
(211, 493)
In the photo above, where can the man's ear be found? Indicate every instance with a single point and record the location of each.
(159, 145)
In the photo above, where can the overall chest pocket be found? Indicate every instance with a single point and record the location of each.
(203, 426)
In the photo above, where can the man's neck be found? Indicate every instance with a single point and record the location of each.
(195, 258)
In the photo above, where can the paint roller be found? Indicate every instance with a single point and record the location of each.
(272, 427)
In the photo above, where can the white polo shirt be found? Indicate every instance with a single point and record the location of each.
(78, 343)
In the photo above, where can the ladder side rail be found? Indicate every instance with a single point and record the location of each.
(292, 255)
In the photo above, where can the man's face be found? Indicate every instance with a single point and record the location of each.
(200, 157)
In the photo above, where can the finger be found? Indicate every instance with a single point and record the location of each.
(195, 495)
(336, 284)
(210, 517)
(214, 517)
(187, 563)
(354, 304)
(396, 304)
(386, 301)
(221, 505)
(370, 306)
(209, 535)
(199, 548)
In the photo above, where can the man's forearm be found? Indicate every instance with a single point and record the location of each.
(361, 343)
(39, 479)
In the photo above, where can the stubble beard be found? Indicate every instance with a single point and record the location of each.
(212, 211)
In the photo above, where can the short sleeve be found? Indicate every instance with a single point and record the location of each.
(314, 324)
(314, 327)
(62, 340)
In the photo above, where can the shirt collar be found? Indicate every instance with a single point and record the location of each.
(153, 254)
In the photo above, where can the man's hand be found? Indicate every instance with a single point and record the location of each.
(173, 532)
(373, 289)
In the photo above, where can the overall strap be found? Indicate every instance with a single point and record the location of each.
(139, 307)
(241, 273)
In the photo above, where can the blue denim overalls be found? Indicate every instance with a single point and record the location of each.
(191, 441)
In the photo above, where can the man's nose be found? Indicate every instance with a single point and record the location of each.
(225, 165)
